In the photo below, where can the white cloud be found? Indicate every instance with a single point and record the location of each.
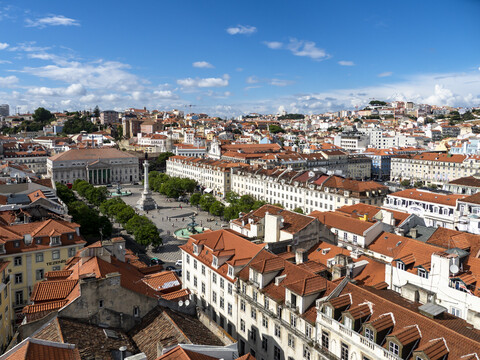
(28, 46)
(204, 83)
(75, 90)
(280, 82)
(300, 48)
(3, 46)
(97, 75)
(346, 63)
(241, 29)
(385, 74)
(252, 80)
(43, 91)
(274, 82)
(306, 48)
(8, 81)
(42, 56)
(202, 64)
(165, 94)
(274, 44)
(53, 20)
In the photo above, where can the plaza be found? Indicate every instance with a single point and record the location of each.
(171, 215)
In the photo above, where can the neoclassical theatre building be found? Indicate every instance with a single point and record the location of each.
(97, 166)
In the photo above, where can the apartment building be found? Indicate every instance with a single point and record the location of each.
(30, 154)
(308, 190)
(35, 248)
(435, 208)
(434, 168)
(213, 175)
(155, 142)
(7, 319)
(466, 185)
(109, 117)
(283, 310)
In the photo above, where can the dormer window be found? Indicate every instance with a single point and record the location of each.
(253, 276)
(195, 249)
(328, 311)
(16, 243)
(347, 321)
(422, 273)
(394, 348)
(55, 240)
(369, 334)
(400, 265)
(70, 236)
(38, 240)
(230, 271)
(2, 248)
(215, 262)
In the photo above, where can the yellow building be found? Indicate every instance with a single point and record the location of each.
(32, 250)
(6, 310)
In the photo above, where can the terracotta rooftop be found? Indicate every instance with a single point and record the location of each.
(427, 196)
(36, 349)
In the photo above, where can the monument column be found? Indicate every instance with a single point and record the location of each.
(146, 202)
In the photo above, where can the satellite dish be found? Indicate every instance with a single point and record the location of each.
(454, 269)
(180, 303)
(187, 302)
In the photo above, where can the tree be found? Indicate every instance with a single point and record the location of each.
(187, 185)
(160, 162)
(64, 193)
(298, 210)
(232, 197)
(230, 213)
(377, 103)
(96, 112)
(418, 184)
(405, 183)
(258, 204)
(125, 214)
(136, 222)
(217, 208)
(278, 205)
(147, 234)
(206, 201)
(171, 188)
(42, 116)
(195, 198)
(291, 117)
(105, 206)
(274, 129)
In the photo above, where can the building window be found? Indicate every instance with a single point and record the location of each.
(71, 252)
(214, 278)
(215, 261)
(188, 259)
(136, 311)
(230, 271)
(222, 303)
(306, 352)
(17, 261)
(255, 295)
(230, 309)
(242, 325)
(214, 297)
(344, 352)
(291, 341)
(100, 303)
(18, 278)
(195, 264)
(203, 269)
(400, 265)
(39, 257)
(393, 348)
(230, 289)
(276, 353)
(348, 322)
(265, 343)
(277, 330)
(242, 305)
(265, 321)
(39, 274)
(253, 313)
(325, 340)
(55, 254)
(293, 320)
(18, 298)
(265, 302)
(308, 330)
(195, 281)
(188, 275)
(369, 334)
(56, 268)
(222, 283)
(203, 288)
(253, 335)
(38, 240)
(16, 243)
(423, 273)
(328, 311)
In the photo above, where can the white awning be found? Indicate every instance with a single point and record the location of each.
(207, 190)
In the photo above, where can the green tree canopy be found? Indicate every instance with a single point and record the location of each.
(42, 115)
(195, 198)
(206, 201)
(298, 210)
(217, 208)
(136, 222)
(147, 234)
(274, 129)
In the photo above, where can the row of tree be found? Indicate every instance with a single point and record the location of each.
(90, 220)
(143, 229)
(170, 186)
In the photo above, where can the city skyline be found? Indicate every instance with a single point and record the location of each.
(229, 59)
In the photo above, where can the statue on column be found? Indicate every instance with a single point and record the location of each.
(146, 202)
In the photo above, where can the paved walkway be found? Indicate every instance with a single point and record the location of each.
(168, 218)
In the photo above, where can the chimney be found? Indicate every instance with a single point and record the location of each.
(119, 248)
(413, 233)
(301, 256)
(123, 352)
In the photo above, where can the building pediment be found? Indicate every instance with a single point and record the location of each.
(98, 164)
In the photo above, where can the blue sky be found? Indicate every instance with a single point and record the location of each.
(231, 57)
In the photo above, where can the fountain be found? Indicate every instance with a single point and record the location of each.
(118, 192)
(191, 229)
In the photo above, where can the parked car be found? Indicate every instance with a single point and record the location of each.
(178, 272)
(178, 263)
(156, 261)
(170, 268)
